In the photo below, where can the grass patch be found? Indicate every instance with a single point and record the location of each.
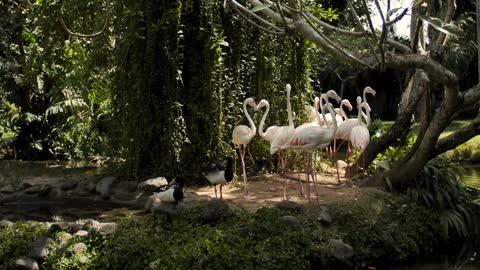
(470, 150)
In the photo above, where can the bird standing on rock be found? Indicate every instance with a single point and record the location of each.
(219, 173)
(171, 193)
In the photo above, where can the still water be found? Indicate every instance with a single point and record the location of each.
(472, 175)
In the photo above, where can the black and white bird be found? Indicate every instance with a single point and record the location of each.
(171, 193)
(219, 173)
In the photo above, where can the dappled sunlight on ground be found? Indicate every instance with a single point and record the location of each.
(267, 190)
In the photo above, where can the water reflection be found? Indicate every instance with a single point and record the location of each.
(472, 175)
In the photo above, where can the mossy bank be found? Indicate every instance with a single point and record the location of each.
(377, 231)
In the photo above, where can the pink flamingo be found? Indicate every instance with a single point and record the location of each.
(344, 130)
(360, 136)
(310, 137)
(242, 135)
(279, 136)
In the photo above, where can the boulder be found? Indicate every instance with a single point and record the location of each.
(215, 210)
(290, 220)
(26, 263)
(8, 189)
(324, 217)
(108, 228)
(127, 186)
(69, 185)
(91, 225)
(33, 189)
(44, 190)
(152, 184)
(79, 248)
(6, 223)
(339, 250)
(81, 233)
(39, 248)
(104, 187)
(292, 207)
(23, 185)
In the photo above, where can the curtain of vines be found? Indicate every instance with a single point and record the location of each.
(184, 70)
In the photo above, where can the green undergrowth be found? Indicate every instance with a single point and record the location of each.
(383, 230)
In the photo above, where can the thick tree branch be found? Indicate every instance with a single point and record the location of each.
(458, 137)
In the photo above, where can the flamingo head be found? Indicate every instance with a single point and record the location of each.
(262, 103)
(288, 87)
(334, 95)
(347, 103)
(359, 101)
(251, 102)
(370, 90)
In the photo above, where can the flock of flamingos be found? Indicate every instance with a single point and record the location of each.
(308, 137)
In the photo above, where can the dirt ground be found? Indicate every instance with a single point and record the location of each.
(267, 190)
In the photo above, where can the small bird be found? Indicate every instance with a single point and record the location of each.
(171, 193)
(219, 173)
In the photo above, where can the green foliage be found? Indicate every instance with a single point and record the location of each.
(385, 229)
(16, 241)
(440, 186)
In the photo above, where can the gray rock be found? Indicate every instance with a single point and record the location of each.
(69, 185)
(6, 223)
(33, 189)
(339, 250)
(39, 248)
(104, 187)
(128, 186)
(215, 210)
(324, 217)
(79, 248)
(81, 233)
(45, 190)
(169, 209)
(59, 226)
(63, 239)
(83, 259)
(92, 225)
(290, 206)
(26, 263)
(73, 227)
(290, 220)
(92, 187)
(23, 185)
(8, 189)
(152, 184)
(108, 228)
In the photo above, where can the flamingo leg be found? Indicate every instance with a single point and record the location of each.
(314, 178)
(299, 179)
(221, 196)
(308, 168)
(215, 187)
(242, 155)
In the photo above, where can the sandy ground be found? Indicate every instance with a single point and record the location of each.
(267, 190)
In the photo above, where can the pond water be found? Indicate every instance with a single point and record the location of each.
(472, 175)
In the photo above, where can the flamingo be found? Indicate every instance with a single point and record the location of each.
(278, 136)
(344, 130)
(242, 135)
(219, 173)
(360, 135)
(310, 137)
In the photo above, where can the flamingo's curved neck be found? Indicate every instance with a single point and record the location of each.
(334, 119)
(289, 107)
(262, 122)
(250, 121)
